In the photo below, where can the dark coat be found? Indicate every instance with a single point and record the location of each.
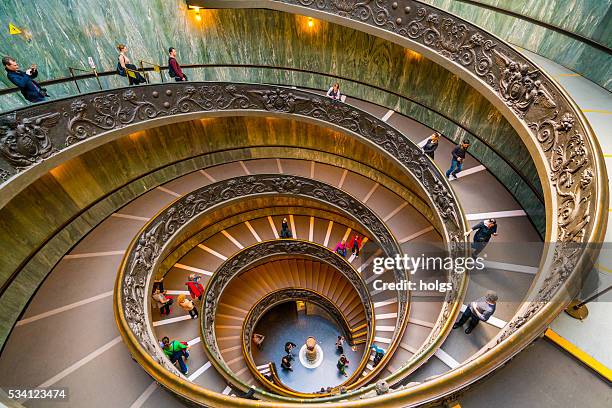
(29, 89)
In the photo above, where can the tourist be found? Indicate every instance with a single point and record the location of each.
(174, 69)
(480, 309)
(286, 363)
(289, 346)
(24, 80)
(342, 364)
(258, 340)
(379, 354)
(431, 145)
(340, 345)
(321, 391)
(340, 248)
(334, 92)
(285, 231)
(196, 290)
(177, 352)
(484, 231)
(355, 244)
(458, 156)
(187, 305)
(125, 68)
(163, 302)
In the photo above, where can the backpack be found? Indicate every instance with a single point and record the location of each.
(120, 69)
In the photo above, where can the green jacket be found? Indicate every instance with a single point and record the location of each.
(173, 347)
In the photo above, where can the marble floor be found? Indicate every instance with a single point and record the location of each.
(281, 325)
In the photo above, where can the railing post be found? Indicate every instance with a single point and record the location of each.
(74, 78)
(95, 71)
(144, 74)
(578, 310)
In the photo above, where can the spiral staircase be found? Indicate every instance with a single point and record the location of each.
(162, 181)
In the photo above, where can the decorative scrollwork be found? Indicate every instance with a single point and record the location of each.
(25, 142)
(235, 265)
(4, 175)
(145, 254)
(110, 111)
(530, 95)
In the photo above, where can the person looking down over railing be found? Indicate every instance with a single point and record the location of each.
(177, 352)
(24, 80)
(334, 92)
(174, 69)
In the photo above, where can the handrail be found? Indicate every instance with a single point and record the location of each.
(509, 162)
(148, 103)
(92, 70)
(566, 153)
(553, 27)
(156, 68)
(289, 294)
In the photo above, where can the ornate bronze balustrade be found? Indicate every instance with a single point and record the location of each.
(147, 251)
(289, 295)
(560, 140)
(256, 254)
(36, 139)
(39, 135)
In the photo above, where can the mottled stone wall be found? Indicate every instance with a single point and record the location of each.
(588, 18)
(67, 32)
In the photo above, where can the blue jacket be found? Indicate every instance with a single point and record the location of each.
(483, 233)
(29, 89)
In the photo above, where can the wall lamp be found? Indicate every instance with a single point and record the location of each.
(196, 9)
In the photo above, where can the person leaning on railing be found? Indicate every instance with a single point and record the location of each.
(177, 352)
(24, 80)
(334, 92)
(431, 145)
(174, 69)
(125, 68)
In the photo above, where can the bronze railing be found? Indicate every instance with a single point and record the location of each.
(254, 255)
(110, 113)
(287, 295)
(562, 144)
(147, 250)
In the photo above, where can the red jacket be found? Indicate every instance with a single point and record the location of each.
(196, 289)
(352, 243)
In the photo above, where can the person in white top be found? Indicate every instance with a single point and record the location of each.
(334, 92)
(126, 68)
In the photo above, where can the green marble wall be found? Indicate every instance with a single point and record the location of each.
(588, 18)
(65, 31)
